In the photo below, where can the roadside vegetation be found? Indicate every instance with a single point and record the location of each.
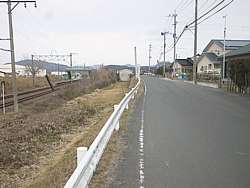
(26, 83)
(38, 145)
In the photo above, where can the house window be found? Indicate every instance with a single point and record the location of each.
(209, 66)
(202, 68)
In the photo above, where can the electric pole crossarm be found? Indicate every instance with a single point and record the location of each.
(14, 7)
(18, 1)
(5, 50)
(12, 49)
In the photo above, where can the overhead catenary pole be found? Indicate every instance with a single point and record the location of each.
(33, 70)
(136, 66)
(224, 48)
(3, 95)
(14, 86)
(71, 64)
(195, 44)
(12, 48)
(58, 57)
(149, 57)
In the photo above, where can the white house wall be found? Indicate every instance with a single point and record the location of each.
(216, 49)
(204, 62)
(20, 70)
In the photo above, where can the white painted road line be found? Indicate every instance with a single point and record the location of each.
(141, 143)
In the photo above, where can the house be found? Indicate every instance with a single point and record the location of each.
(182, 68)
(20, 70)
(238, 68)
(78, 72)
(242, 53)
(209, 62)
(125, 74)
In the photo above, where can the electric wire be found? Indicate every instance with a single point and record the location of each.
(188, 25)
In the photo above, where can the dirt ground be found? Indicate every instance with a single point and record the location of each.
(105, 173)
(38, 147)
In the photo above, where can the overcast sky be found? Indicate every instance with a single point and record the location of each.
(105, 31)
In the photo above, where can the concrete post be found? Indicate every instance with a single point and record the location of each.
(133, 96)
(127, 104)
(81, 151)
(117, 126)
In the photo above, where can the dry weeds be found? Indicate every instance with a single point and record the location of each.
(39, 150)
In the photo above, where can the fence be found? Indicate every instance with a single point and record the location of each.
(208, 77)
(89, 158)
(239, 76)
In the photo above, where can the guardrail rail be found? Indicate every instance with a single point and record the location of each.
(88, 158)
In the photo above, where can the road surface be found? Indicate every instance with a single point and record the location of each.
(186, 136)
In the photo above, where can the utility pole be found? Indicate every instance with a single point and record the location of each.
(224, 48)
(71, 64)
(195, 44)
(174, 34)
(164, 52)
(149, 57)
(33, 70)
(12, 48)
(71, 59)
(136, 66)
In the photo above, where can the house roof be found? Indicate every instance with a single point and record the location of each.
(230, 44)
(185, 62)
(241, 51)
(211, 56)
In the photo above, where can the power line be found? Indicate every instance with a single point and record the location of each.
(216, 12)
(202, 5)
(209, 6)
(188, 25)
(206, 13)
(179, 4)
(185, 5)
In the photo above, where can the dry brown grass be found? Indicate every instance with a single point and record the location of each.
(39, 150)
(104, 174)
(26, 83)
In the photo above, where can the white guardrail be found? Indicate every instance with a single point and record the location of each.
(87, 159)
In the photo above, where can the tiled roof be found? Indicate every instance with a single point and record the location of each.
(230, 44)
(184, 62)
(241, 51)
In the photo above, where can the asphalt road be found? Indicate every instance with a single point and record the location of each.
(186, 136)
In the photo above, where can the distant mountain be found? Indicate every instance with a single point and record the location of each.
(50, 67)
(129, 65)
(119, 67)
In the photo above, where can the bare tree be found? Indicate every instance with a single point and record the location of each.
(34, 68)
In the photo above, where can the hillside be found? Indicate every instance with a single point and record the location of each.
(50, 67)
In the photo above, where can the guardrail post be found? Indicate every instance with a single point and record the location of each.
(81, 151)
(133, 96)
(117, 126)
(126, 104)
